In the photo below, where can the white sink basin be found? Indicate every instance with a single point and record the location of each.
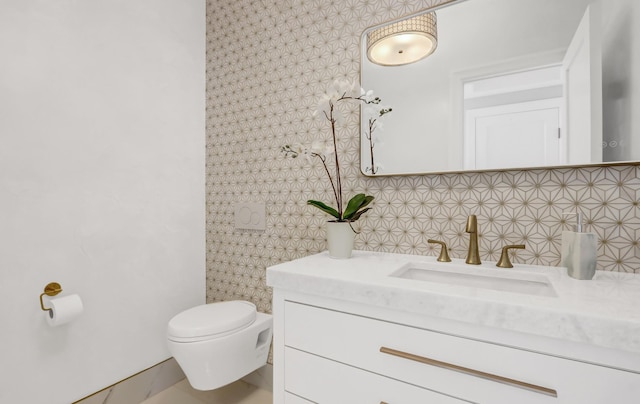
(478, 277)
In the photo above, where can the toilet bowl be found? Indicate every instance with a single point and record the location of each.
(218, 343)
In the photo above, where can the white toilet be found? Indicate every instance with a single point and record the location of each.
(218, 343)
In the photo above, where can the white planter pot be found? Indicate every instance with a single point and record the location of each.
(340, 239)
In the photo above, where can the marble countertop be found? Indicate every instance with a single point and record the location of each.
(604, 312)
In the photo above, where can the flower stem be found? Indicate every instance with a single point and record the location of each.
(372, 123)
(326, 169)
(338, 189)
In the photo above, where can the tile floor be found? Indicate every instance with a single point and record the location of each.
(239, 392)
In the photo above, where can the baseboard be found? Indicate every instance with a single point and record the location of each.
(139, 387)
(155, 379)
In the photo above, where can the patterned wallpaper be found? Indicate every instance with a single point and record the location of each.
(267, 62)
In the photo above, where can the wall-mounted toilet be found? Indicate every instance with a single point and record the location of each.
(218, 343)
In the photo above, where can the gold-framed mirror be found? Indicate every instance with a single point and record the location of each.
(512, 84)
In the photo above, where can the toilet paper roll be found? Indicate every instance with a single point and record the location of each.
(64, 309)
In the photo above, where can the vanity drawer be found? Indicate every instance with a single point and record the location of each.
(480, 372)
(324, 381)
(293, 399)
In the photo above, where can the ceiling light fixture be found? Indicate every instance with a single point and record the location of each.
(403, 42)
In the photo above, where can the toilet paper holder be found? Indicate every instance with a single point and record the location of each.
(51, 289)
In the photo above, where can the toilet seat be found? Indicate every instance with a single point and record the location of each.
(213, 320)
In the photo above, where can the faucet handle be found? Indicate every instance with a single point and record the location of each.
(444, 254)
(504, 261)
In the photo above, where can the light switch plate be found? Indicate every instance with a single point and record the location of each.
(250, 216)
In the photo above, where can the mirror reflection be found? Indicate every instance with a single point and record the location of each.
(511, 84)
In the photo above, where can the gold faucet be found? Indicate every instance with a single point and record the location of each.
(473, 256)
(504, 261)
(444, 254)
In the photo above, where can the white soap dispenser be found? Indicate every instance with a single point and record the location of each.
(579, 251)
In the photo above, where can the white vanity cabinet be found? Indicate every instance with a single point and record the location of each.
(335, 357)
(331, 349)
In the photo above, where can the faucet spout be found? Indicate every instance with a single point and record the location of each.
(473, 255)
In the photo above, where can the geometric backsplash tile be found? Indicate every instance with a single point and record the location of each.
(267, 62)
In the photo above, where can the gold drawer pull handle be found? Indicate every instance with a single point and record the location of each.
(472, 372)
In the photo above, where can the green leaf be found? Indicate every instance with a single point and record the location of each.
(325, 208)
(356, 204)
(357, 215)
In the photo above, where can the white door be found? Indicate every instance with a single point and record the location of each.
(582, 74)
(516, 135)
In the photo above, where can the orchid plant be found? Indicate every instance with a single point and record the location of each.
(372, 115)
(328, 107)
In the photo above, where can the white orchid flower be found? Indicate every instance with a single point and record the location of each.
(318, 147)
(367, 96)
(337, 91)
(322, 149)
(323, 107)
(328, 150)
(324, 110)
(345, 88)
(370, 110)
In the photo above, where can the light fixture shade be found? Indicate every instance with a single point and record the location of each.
(403, 42)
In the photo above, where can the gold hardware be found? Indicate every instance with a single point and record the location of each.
(51, 289)
(504, 261)
(472, 372)
(473, 256)
(444, 254)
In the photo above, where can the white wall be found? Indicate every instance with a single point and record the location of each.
(101, 186)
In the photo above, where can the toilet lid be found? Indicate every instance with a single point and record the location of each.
(212, 318)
